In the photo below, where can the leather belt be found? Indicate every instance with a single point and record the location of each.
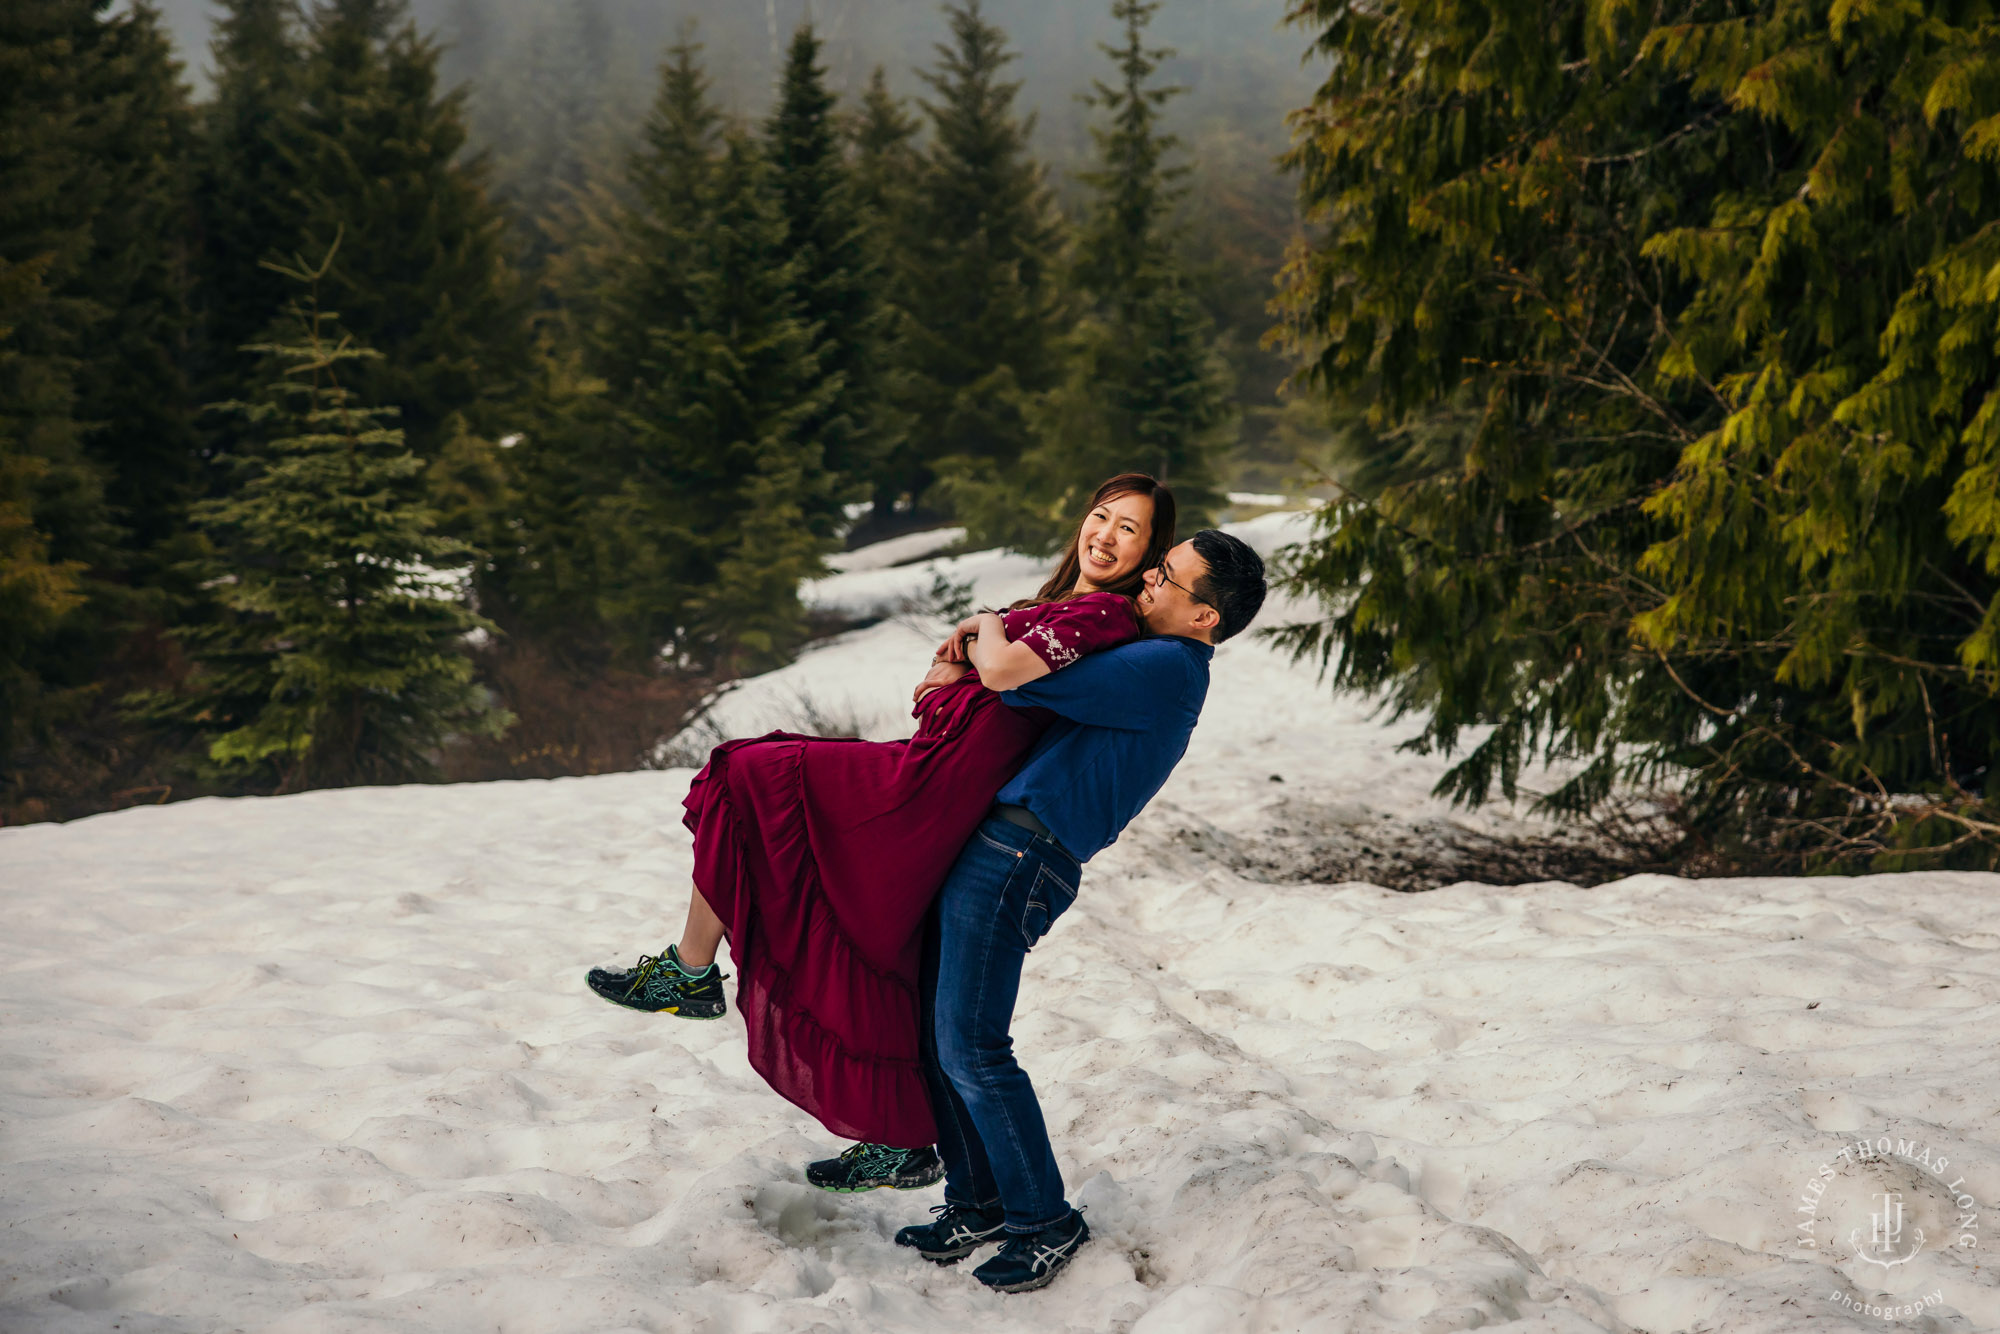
(1026, 819)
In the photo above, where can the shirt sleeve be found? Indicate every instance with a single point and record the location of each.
(1068, 632)
(1126, 689)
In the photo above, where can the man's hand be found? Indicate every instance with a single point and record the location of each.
(940, 674)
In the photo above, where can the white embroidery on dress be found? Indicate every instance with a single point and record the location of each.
(1059, 655)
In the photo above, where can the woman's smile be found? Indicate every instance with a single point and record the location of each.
(1113, 539)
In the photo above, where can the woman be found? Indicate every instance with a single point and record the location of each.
(818, 857)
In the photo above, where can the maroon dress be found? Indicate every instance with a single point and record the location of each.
(822, 855)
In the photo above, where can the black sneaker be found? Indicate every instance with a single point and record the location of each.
(660, 984)
(955, 1233)
(877, 1167)
(1032, 1260)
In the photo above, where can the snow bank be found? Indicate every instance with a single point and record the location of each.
(325, 1062)
(909, 547)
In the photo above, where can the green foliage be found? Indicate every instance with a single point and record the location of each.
(838, 282)
(245, 191)
(96, 456)
(979, 292)
(1142, 388)
(36, 593)
(423, 273)
(1694, 320)
(635, 402)
(885, 162)
(339, 659)
(1134, 184)
(715, 384)
(132, 372)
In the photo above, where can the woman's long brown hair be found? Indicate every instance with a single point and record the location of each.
(1157, 546)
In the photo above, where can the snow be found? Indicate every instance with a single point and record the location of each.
(909, 547)
(325, 1062)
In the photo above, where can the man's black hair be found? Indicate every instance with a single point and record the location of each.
(1233, 584)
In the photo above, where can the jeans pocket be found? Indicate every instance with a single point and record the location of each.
(1048, 899)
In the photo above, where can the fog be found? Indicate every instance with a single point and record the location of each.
(1241, 65)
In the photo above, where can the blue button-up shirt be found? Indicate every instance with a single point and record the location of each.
(1126, 715)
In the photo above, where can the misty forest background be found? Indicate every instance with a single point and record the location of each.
(462, 390)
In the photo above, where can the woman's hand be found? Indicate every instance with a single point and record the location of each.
(953, 648)
(1002, 665)
(940, 674)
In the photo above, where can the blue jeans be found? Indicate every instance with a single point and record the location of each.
(1006, 889)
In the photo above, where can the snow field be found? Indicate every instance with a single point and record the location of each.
(326, 1062)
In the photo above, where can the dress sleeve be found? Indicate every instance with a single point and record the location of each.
(1061, 632)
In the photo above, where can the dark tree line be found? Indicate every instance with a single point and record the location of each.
(324, 459)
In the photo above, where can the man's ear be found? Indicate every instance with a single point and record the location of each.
(1206, 618)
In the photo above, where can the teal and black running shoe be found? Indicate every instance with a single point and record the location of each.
(877, 1167)
(662, 984)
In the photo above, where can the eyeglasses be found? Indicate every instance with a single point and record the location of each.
(1183, 587)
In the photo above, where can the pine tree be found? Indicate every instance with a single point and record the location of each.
(980, 295)
(881, 137)
(340, 660)
(246, 195)
(882, 146)
(1722, 514)
(423, 273)
(133, 376)
(752, 390)
(644, 284)
(94, 448)
(838, 281)
(1134, 186)
(1143, 387)
(714, 380)
(37, 593)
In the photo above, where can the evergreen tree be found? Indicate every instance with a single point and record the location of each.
(645, 284)
(1724, 512)
(838, 281)
(882, 147)
(132, 377)
(37, 593)
(423, 274)
(1143, 387)
(881, 137)
(1122, 242)
(979, 293)
(246, 195)
(95, 454)
(713, 376)
(340, 659)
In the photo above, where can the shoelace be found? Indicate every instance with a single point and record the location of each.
(653, 963)
(1039, 1257)
(960, 1230)
(867, 1155)
(648, 963)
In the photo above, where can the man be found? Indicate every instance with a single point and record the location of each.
(1128, 714)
